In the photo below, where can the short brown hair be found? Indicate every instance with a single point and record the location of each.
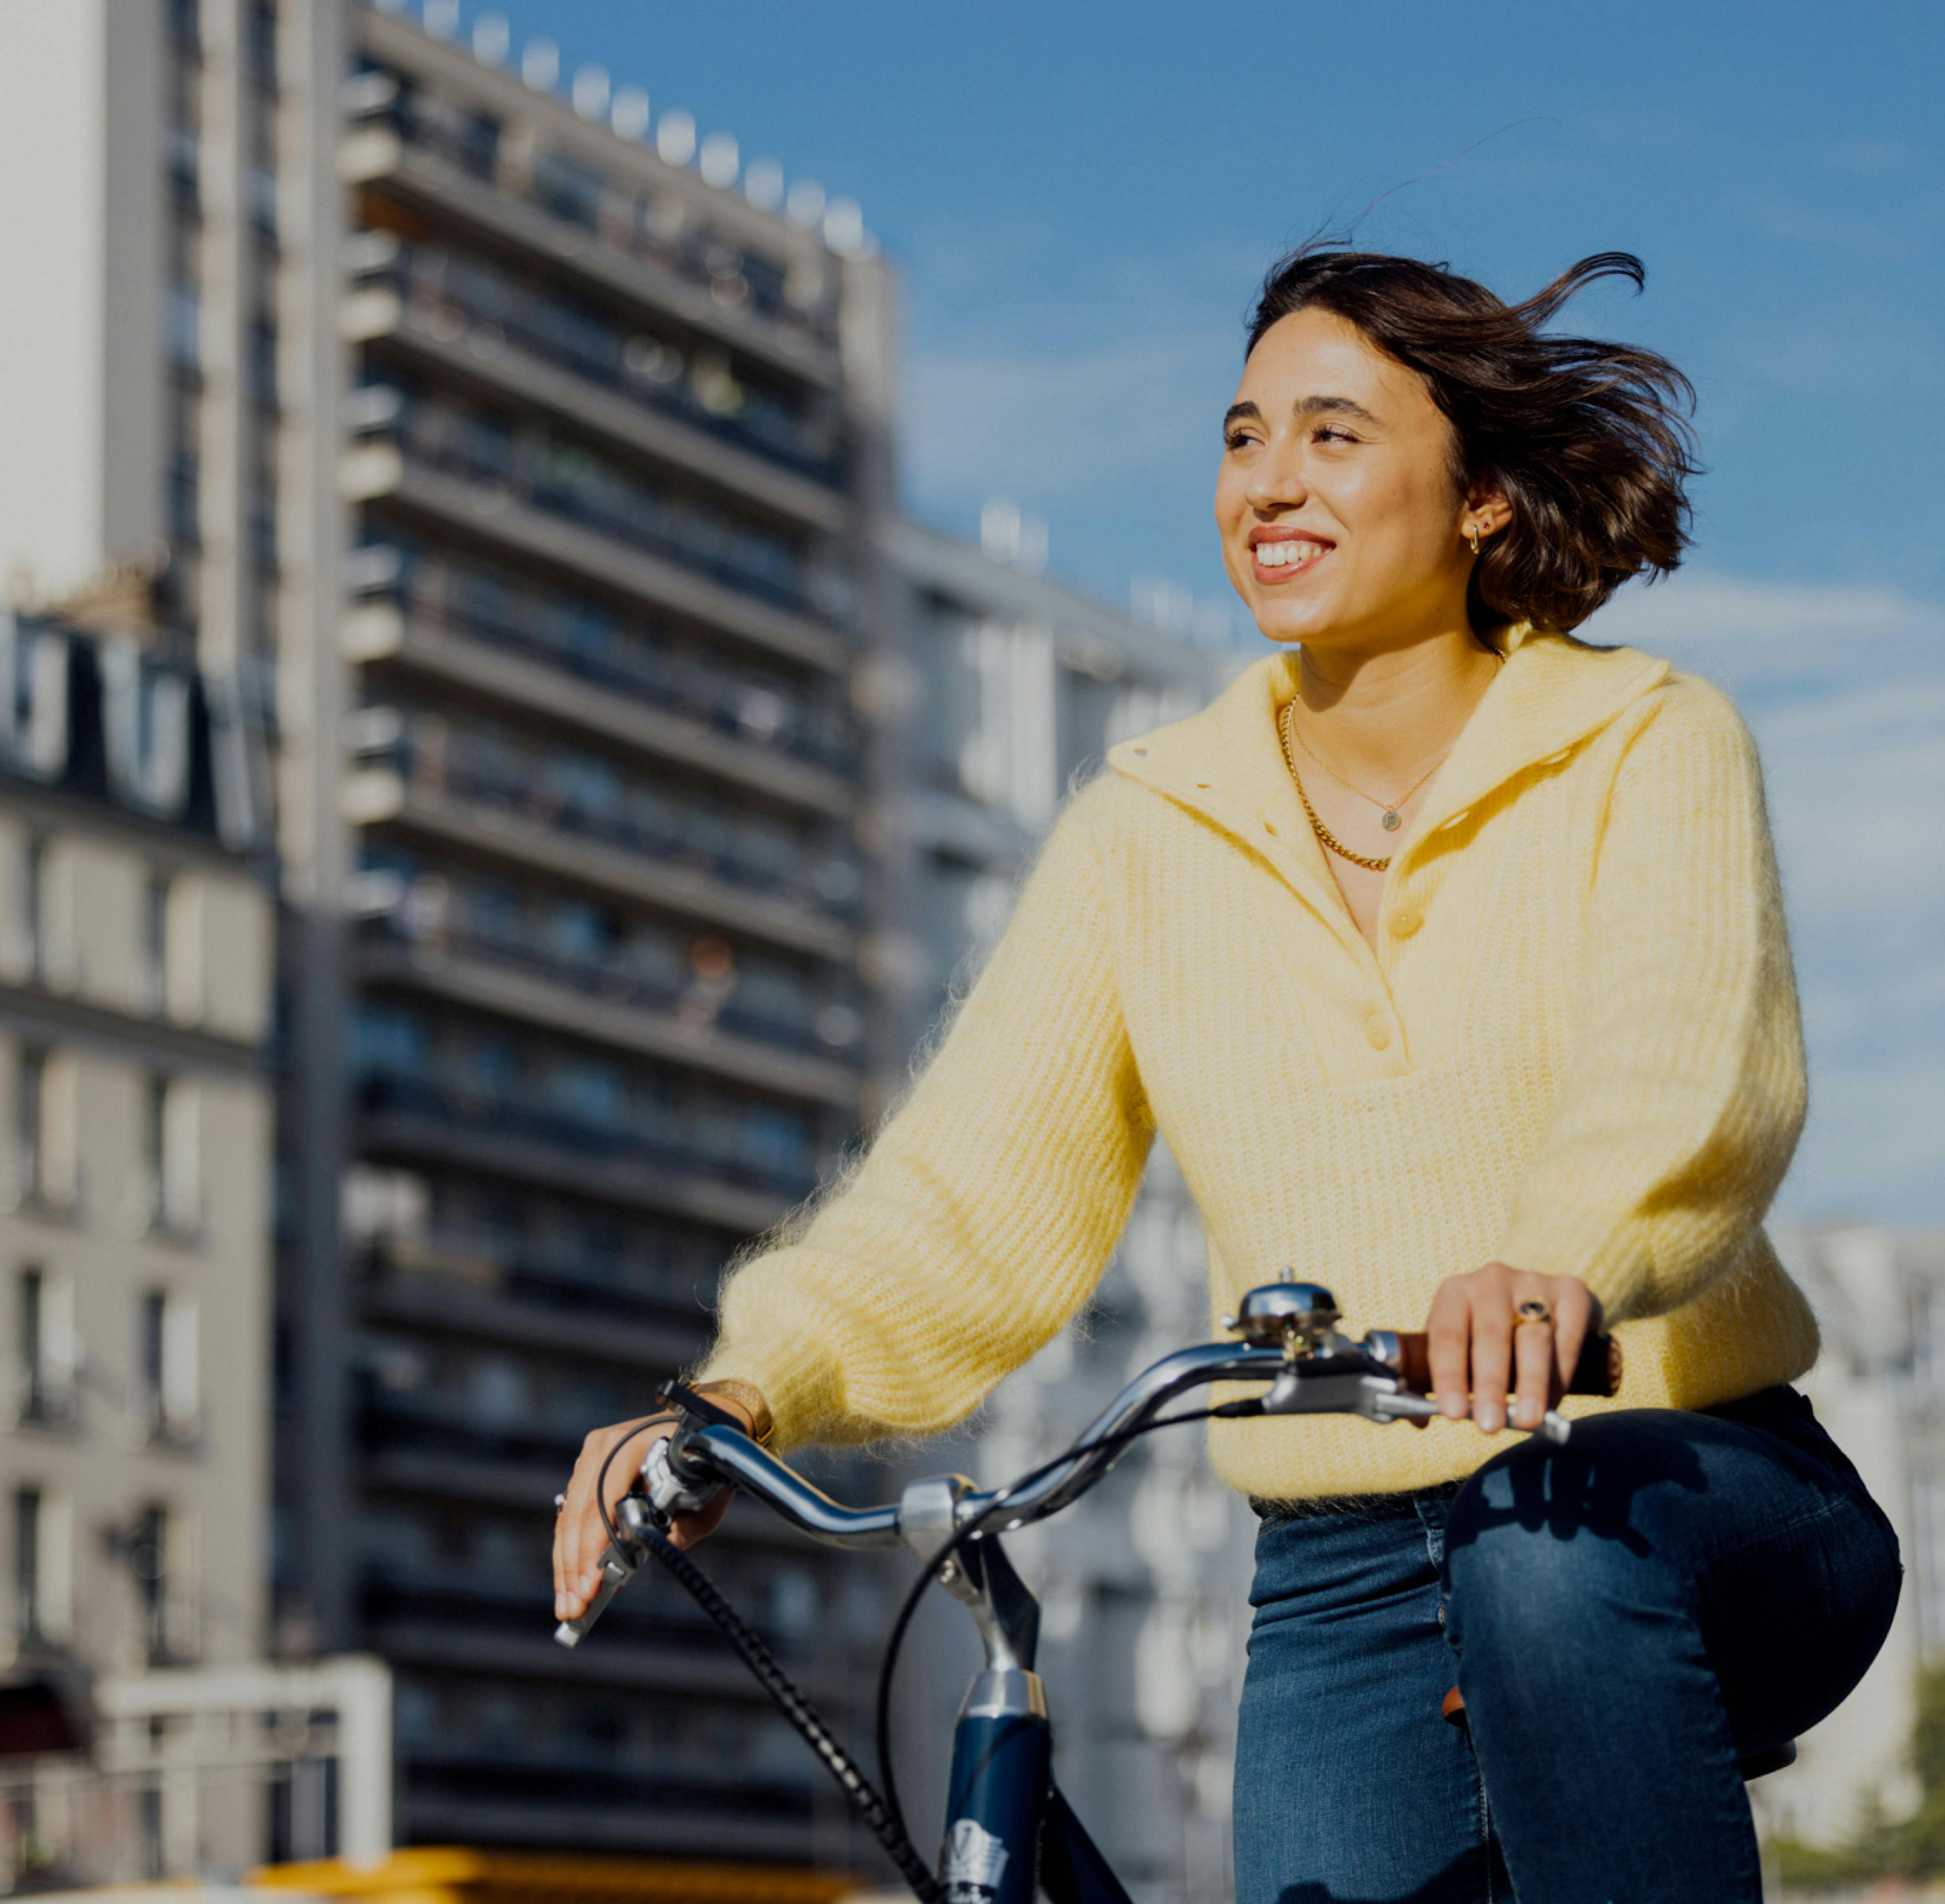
(1589, 441)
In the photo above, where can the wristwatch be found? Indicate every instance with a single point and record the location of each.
(747, 1397)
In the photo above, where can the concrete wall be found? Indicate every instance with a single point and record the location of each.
(80, 254)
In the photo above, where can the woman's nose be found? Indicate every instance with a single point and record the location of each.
(1277, 480)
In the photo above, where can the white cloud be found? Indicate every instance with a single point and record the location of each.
(1845, 688)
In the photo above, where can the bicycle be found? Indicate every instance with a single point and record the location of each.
(1009, 1832)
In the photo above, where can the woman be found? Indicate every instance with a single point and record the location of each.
(1446, 953)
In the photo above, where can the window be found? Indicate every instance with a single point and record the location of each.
(33, 879)
(156, 940)
(44, 1336)
(174, 1160)
(29, 1109)
(43, 1585)
(27, 1608)
(166, 1332)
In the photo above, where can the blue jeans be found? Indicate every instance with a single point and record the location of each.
(1626, 1617)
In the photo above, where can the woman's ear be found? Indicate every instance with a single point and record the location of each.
(1486, 505)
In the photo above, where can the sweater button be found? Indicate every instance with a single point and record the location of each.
(1377, 1031)
(1405, 921)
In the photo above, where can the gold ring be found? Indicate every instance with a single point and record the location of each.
(1533, 1310)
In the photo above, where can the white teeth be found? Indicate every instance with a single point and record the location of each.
(1281, 555)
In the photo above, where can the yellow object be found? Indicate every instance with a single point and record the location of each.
(1575, 1050)
(455, 1875)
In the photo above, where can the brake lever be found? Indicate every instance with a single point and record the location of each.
(621, 1561)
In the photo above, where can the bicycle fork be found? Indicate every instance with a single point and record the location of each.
(1009, 1832)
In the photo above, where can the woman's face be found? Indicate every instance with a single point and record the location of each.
(1341, 523)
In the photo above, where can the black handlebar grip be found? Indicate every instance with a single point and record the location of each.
(1597, 1371)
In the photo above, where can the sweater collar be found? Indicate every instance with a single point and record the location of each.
(1226, 761)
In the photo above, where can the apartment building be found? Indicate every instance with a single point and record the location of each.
(1021, 686)
(135, 1136)
(525, 459)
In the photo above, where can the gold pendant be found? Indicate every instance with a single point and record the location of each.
(1390, 821)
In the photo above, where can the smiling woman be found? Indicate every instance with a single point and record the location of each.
(1445, 952)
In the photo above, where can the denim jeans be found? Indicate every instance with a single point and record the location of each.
(1626, 1617)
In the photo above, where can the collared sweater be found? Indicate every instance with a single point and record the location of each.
(1575, 1050)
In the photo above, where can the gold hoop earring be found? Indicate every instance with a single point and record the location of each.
(1472, 536)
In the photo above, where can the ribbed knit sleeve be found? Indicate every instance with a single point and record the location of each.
(1685, 1093)
(985, 1211)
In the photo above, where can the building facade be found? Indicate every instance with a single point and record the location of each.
(525, 461)
(1020, 688)
(135, 1147)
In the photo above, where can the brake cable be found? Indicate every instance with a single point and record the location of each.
(882, 1813)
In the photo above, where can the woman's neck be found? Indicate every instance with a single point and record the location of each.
(1384, 716)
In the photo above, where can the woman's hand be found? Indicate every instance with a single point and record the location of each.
(580, 1537)
(1478, 1345)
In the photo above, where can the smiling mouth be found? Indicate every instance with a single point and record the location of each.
(1288, 556)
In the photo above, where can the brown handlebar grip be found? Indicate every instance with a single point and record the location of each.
(1597, 1371)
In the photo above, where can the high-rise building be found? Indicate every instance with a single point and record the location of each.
(531, 473)
(1021, 686)
(135, 1136)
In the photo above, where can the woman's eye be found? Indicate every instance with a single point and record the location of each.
(1331, 433)
(1237, 438)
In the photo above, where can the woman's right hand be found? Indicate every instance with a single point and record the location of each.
(580, 1538)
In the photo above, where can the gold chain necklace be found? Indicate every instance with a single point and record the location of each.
(1389, 819)
(1323, 832)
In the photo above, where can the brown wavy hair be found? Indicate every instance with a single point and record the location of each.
(1590, 442)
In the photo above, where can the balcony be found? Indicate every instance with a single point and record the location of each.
(610, 1003)
(745, 736)
(470, 320)
(575, 204)
(670, 867)
(378, 472)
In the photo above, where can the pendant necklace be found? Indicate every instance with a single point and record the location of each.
(1390, 818)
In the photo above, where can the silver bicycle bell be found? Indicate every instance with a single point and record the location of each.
(1298, 1318)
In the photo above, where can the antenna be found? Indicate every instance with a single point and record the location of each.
(675, 137)
(591, 92)
(719, 161)
(540, 65)
(629, 115)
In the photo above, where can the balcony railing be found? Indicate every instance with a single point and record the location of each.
(582, 795)
(765, 1151)
(456, 294)
(624, 222)
(474, 602)
(765, 1015)
(613, 1281)
(559, 477)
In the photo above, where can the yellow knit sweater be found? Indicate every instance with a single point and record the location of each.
(1575, 1050)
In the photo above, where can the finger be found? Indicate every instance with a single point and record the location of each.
(1446, 1339)
(1577, 1315)
(688, 1529)
(1532, 1363)
(1492, 1350)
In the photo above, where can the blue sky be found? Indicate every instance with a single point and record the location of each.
(1080, 199)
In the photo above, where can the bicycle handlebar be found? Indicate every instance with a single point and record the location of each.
(1385, 1378)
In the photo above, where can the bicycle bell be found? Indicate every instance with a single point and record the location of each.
(1297, 1318)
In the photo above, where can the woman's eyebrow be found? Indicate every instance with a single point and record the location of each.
(1342, 406)
(1308, 406)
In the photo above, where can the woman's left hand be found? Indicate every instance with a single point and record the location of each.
(1480, 1348)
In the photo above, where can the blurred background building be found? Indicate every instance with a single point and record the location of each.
(637, 784)
(135, 1172)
